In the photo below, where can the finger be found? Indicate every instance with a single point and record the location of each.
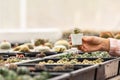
(83, 49)
(79, 47)
(70, 42)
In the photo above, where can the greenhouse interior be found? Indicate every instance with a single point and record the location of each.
(59, 39)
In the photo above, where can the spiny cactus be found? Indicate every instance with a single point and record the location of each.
(5, 45)
(76, 30)
(106, 35)
(117, 36)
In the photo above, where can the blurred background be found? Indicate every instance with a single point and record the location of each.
(28, 19)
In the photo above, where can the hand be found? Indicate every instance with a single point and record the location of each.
(92, 43)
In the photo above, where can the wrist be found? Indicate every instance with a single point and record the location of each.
(105, 45)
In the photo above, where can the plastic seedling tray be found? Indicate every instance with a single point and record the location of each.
(51, 74)
(87, 73)
(10, 53)
(65, 76)
(108, 69)
(33, 54)
(50, 67)
(56, 59)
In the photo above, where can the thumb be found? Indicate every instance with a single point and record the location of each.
(87, 39)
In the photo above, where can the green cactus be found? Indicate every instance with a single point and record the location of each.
(5, 45)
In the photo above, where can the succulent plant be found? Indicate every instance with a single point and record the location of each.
(12, 66)
(5, 45)
(59, 48)
(106, 35)
(17, 48)
(39, 42)
(40, 67)
(4, 71)
(24, 48)
(40, 55)
(39, 77)
(1, 77)
(66, 34)
(42, 49)
(11, 75)
(76, 30)
(12, 60)
(22, 70)
(24, 77)
(21, 74)
(58, 68)
(63, 42)
(30, 45)
(68, 66)
(50, 45)
(117, 36)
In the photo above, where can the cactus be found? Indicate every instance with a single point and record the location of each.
(59, 48)
(76, 30)
(106, 35)
(42, 49)
(117, 36)
(64, 43)
(39, 42)
(24, 49)
(5, 45)
(12, 66)
(23, 70)
(30, 46)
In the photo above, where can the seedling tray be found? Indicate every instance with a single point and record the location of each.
(79, 59)
(87, 73)
(33, 54)
(50, 67)
(108, 69)
(10, 53)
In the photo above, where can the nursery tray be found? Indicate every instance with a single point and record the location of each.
(49, 67)
(87, 73)
(33, 54)
(108, 69)
(10, 53)
(54, 75)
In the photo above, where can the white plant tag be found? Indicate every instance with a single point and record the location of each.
(76, 39)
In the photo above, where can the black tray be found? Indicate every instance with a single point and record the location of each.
(87, 73)
(33, 54)
(49, 67)
(10, 53)
(108, 69)
(79, 59)
(52, 74)
(25, 58)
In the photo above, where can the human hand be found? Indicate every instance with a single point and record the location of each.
(92, 43)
